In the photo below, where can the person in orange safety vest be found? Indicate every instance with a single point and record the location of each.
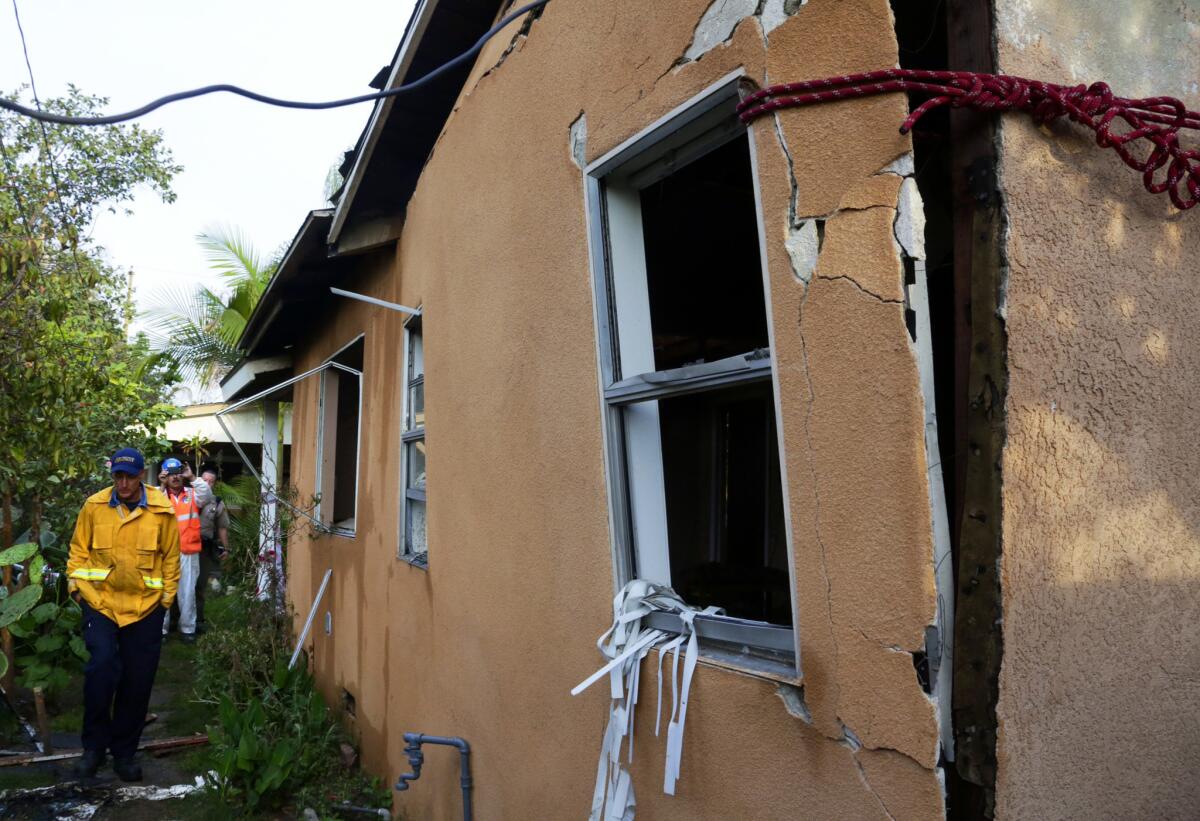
(188, 494)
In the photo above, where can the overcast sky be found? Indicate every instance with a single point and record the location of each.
(247, 165)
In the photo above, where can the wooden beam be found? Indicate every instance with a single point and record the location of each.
(981, 367)
(161, 745)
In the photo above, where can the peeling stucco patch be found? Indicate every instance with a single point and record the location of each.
(577, 142)
(717, 24)
(803, 246)
(910, 220)
(776, 12)
(722, 18)
(903, 166)
(793, 700)
(850, 739)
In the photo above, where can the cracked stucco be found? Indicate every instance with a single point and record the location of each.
(845, 350)
(723, 17)
(495, 248)
(1099, 709)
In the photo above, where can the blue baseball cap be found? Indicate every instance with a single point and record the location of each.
(128, 460)
(172, 466)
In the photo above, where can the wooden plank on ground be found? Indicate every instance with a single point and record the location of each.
(157, 746)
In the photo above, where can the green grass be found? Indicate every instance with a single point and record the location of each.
(176, 670)
(27, 778)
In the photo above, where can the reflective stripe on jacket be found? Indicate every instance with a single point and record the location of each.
(125, 562)
(187, 514)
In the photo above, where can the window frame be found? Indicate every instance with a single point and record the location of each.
(409, 435)
(322, 426)
(691, 130)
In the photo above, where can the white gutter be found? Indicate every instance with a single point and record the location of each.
(421, 18)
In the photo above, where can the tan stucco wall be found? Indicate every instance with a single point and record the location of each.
(1099, 702)
(487, 643)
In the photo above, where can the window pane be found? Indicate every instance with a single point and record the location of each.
(416, 465)
(725, 503)
(703, 272)
(416, 355)
(416, 405)
(417, 540)
(346, 456)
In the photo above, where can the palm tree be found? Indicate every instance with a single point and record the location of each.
(197, 330)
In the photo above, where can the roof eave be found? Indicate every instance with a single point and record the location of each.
(412, 38)
(251, 332)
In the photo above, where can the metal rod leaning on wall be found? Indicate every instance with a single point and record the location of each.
(312, 614)
(416, 759)
(383, 303)
(270, 486)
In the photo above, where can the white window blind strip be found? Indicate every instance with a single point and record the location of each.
(625, 644)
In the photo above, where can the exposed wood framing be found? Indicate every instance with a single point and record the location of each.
(981, 365)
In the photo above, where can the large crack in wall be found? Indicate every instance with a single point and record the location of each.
(813, 227)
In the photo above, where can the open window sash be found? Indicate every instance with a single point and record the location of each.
(269, 487)
(734, 370)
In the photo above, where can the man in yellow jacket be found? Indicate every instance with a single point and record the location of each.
(124, 571)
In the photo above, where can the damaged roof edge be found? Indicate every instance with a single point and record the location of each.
(267, 306)
(412, 37)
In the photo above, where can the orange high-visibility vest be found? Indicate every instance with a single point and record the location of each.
(188, 517)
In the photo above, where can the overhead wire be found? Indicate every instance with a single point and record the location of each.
(112, 119)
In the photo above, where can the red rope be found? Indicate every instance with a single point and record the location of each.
(1157, 120)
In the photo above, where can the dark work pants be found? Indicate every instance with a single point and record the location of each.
(117, 680)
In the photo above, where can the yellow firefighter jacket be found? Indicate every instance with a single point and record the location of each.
(125, 563)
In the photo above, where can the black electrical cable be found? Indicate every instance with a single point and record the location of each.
(110, 119)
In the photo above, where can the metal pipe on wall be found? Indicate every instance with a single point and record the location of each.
(416, 759)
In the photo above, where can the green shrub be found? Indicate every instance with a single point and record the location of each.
(50, 652)
(252, 767)
(276, 742)
(237, 661)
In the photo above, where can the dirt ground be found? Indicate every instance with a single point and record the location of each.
(49, 791)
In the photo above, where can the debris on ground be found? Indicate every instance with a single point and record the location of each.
(80, 801)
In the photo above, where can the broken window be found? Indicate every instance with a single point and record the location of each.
(685, 350)
(414, 542)
(337, 464)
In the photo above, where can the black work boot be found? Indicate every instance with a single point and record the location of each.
(127, 769)
(88, 763)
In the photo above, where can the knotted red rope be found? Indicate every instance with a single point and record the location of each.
(1156, 120)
